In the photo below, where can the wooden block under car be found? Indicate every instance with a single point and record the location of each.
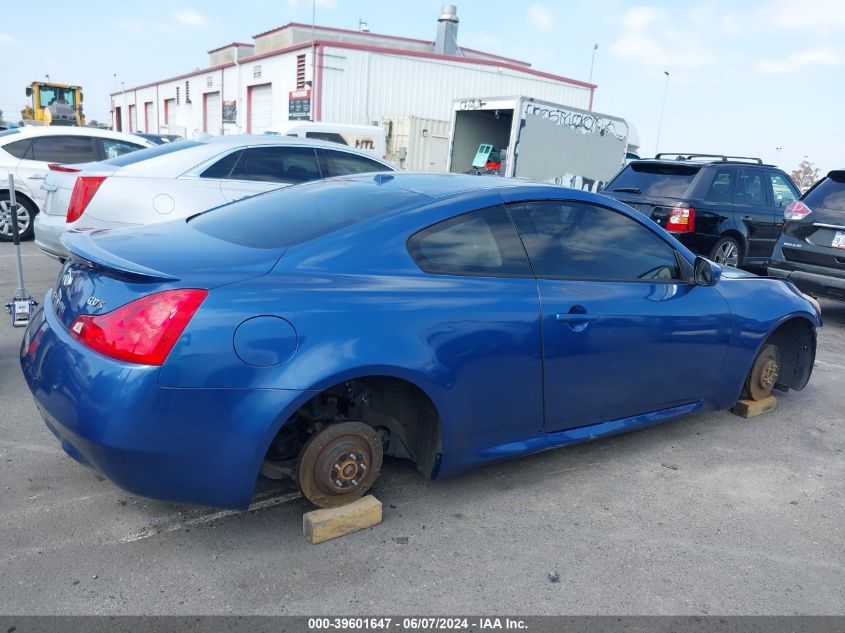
(328, 523)
(753, 408)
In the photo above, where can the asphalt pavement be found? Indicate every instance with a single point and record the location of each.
(711, 514)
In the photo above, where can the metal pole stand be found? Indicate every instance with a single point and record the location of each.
(21, 305)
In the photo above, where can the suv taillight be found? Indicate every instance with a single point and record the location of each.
(796, 210)
(83, 190)
(681, 218)
(143, 331)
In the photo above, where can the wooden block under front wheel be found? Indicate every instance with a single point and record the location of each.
(328, 523)
(753, 408)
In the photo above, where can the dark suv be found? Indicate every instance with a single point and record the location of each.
(811, 250)
(729, 209)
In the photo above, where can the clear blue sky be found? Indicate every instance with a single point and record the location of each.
(744, 77)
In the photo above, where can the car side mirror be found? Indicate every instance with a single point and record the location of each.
(705, 272)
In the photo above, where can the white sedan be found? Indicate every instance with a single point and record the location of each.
(180, 179)
(26, 153)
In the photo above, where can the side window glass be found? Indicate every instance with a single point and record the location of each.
(288, 165)
(483, 242)
(344, 163)
(782, 190)
(18, 148)
(749, 188)
(113, 149)
(223, 167)
(722, 187)
(576, 240)
(63, 149)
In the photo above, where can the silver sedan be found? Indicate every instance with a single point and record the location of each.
(183, 178)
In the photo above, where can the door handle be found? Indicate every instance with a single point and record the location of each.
(574, 317)
(37, 177)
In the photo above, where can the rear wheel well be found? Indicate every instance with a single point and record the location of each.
(401, 412)
(4, 193)
(796, 342)
(740, 239)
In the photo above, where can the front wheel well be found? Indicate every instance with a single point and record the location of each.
(796, 342)
(402, 413)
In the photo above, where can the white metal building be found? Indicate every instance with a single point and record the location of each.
(327, 74)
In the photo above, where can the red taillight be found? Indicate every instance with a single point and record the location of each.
(681, 218)
(796, 210)
(62, 168)
(83, 191)
(143, 331)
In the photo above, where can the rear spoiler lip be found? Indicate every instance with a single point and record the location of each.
(80, 244)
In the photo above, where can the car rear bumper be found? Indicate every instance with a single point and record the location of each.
(200, 446)
(48, 234)
(810, 279)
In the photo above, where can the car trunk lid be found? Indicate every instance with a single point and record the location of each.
(110, 268)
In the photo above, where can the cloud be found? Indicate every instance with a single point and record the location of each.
(541, 18)
(7, 40)
(800, 60)
(190, 18)
(672, 48)
(818, 16)
(641, 17)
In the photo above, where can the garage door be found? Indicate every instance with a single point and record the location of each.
(260, 115)
(213, 115)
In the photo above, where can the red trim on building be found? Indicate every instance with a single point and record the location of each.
(374, 49)
(249, 109)
(318, 84)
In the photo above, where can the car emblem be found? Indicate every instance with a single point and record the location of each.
(95, 303)
(67, 278)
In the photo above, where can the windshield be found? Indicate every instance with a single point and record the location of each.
(53, 94)
(150, 152)
(654, 179)
(298, 214)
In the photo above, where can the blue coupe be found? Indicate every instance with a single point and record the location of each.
(449, 320)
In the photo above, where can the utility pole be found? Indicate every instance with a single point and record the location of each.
(593, 63)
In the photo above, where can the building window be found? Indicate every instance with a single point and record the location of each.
(300, 72)
(187, 92)
(209, 81)
(177, 95)
(256, 72)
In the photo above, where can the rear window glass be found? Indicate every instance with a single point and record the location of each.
(828, 194)
(654, 179)
(298, 214)
(150, 152)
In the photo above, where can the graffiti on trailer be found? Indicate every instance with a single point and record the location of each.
(584, 122)
(471, 104)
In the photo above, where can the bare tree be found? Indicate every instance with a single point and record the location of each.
(806, 175)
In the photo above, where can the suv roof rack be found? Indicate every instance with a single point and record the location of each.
(720, 157)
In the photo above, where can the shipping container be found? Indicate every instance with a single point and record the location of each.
(417, 144)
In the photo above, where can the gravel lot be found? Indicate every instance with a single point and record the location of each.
(707, 515)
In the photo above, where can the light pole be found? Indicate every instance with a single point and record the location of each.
(593, 63)
(662, 108)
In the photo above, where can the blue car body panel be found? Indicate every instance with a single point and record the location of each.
(507, 367)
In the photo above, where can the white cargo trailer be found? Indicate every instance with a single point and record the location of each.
(528, 138)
